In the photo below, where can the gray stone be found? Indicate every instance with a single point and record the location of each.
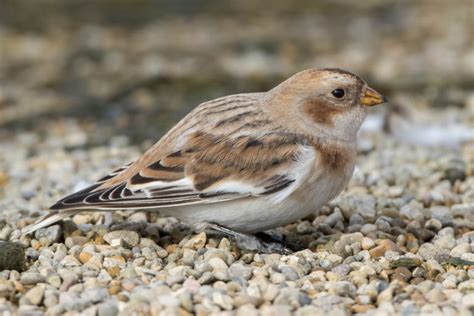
(71, 301)
(443, 214)
(238, 270)
(186, 301)
(460, 249)
(346, 240)
(368, 228)
(356, 219)
(69, 278)
(445, 241)
(342, 288)
(342, 269)
(334, 217)
(95, 295)
(363, 205)
(455, 169)
(125, 238)
(289, 273)
(49, 234)
(428, 251)
(75, 241)
(305, 227)
(413, 211)
(433, 224)
(383, 225)
(31, 278)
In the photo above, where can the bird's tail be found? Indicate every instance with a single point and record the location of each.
(49, 219)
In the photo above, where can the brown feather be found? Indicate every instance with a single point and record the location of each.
(321, 112)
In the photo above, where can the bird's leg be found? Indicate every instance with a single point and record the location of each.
(269, 237)
(247, 241)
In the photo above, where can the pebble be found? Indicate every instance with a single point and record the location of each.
(31, 278)
(413, 211)
(222, 300)
(49, 235)
(442, 214)
(364, 205)
(368, 228)
(367, 243)
(428, 251)
(435, 296)
(238, 270)
(123, 238)
(455, 170)
(384, 246)
(35, 295)
(95, 295)
(342, 269)
(460, 249)
(356, 219)
(433, 224)
(218, 264)
(72, 302)
(196, 242)
(334, 217)
(445, 242)
(75, 241)
(186, 301)
(346, 240)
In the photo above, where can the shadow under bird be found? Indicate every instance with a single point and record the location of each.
(243, 163)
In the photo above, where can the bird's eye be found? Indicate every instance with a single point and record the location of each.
(338, 93)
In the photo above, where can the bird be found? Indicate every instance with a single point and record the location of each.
(246, 162)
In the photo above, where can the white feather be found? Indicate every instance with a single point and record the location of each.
(299, 171)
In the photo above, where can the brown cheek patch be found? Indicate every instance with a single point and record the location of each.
(333, 156)
(320, 111)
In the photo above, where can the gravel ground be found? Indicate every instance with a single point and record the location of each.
(399, 240)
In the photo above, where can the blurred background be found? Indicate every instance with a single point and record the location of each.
(82, 73)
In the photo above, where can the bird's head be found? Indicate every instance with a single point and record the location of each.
(325, 101)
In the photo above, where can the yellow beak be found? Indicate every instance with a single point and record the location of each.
(372, 97)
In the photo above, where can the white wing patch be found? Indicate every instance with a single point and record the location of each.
(148, 188)
(299, 171)
(235, 187)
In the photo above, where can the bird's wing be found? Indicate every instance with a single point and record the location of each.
(207, 169)
(218, 162)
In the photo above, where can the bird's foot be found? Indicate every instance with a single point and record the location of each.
(261, 242)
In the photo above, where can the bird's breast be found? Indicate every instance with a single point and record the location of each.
(328, 176)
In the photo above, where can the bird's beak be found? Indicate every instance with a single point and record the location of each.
(372, 97)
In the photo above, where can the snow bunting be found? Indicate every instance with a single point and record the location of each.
(247, 162)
